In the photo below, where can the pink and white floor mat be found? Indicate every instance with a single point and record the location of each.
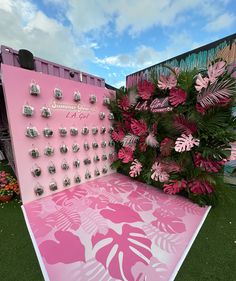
(112, 228)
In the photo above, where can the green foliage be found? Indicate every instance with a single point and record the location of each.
(186, 78)
(215, 131)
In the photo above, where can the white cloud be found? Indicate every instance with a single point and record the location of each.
(41, 22)
(140, 15)
(31, 29)
(136, 15)
(54, 2)
(142, 57)
(6, 5)
(89, 15)
(224, 21)
(119, 84)
(145, 56)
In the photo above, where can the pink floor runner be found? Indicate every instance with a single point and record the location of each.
(112, 228)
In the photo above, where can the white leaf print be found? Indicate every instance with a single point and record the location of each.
(92, 270)
(167, 242)
(64, 219)
(93, 222)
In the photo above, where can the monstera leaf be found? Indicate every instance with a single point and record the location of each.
(120, 252)
(138, 202)
(98, 202)
(185, 143)
(138, 127)
(118, 213)
(215, 70)
(65, 248)
(166, 223)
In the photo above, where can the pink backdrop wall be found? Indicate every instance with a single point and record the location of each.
(16, 88)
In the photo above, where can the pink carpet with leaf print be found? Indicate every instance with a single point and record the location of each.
(112, 228)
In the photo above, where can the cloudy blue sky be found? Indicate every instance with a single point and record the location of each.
(113, 38)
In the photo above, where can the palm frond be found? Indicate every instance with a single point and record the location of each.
(129, 139)
(216, 92)
(184, 126)
(214, 119)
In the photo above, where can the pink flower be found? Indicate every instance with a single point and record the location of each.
(167, 82)
(201, 82)
(201, 187)
(145, 89)
(125, 154)
(174, 186)
(177, 96)
(138, 127)
(118, 135)
(124, 103)
(135, 168)
(215, 71)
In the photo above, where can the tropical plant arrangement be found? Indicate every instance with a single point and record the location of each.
(174, 132)
(8, 186)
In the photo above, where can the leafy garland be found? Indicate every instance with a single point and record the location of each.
(182, 150)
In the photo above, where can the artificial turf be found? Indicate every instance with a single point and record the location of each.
(211, 258)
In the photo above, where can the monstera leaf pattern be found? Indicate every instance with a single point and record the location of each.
(138, 202)
(188, 207)
(92, 270)
(155, 271)
(41, 227)
(118, 186)
(36, 215)
(120, 252)
(168, 209)
(118, 213)
(167, 242)
(128, 230)
(64, 198)
(65, 219)
(167, 223)
(98, 202)
(93, 222)
(66, 249)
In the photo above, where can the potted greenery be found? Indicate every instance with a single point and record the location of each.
(8, 186)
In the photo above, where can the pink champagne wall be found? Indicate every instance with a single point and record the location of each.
(16, 84)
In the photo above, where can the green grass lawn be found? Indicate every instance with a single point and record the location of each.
(212, 256)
